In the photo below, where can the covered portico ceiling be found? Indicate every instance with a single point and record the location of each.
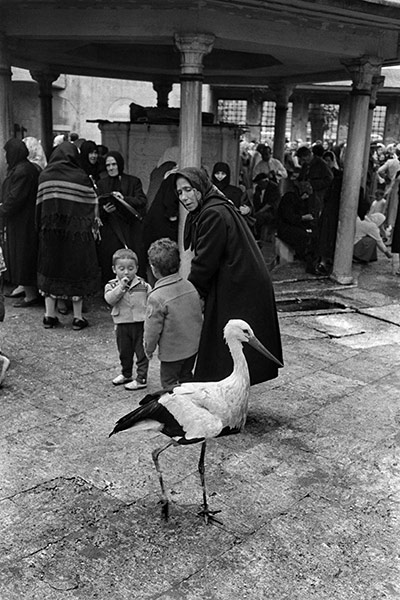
(256, 42)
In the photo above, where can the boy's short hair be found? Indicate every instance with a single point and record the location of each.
(164, 256)
(124, 253)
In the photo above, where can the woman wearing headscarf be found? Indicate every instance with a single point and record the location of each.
(230, 274)
(121, 224)
(90, 160)
(17, 213)
(368, 238)
(66, 216)
(162, 215)
(36, 153)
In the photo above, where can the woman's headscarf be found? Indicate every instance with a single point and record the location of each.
(199, 180)
(16, 152)
(377, 218)
(64, 165)
(225, 168)
(87, 147)
(36, 152)
(118, 159)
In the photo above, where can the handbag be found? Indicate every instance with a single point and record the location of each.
(106, 198)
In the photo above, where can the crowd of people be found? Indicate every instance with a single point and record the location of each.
(298, 201)
(79, 224)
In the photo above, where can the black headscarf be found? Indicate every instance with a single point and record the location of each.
(16, 152)
(199, 180)
(225, 168)
(116, 181)
(86, 148)
(64, 165)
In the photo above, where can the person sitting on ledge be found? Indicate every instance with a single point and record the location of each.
(296, 224)
(368, 238)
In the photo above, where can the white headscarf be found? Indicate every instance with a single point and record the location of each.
(36, 152)
(377, 218)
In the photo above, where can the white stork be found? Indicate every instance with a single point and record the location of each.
(194, 412)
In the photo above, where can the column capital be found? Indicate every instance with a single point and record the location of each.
(362, 71)
(162, 89)
(44, 77)
(193, 47)
(281, 91)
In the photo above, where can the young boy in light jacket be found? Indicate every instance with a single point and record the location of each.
(174, 316)
(127, 294)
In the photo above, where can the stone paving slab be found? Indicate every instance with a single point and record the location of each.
(309, 493)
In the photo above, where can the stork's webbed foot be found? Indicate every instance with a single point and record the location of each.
(208, 515)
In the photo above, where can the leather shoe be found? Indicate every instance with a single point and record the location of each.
(26, 304)
(11, 295)
(79, 324)
(50, 322)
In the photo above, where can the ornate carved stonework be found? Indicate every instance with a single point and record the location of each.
(362, 71)
(193, 47)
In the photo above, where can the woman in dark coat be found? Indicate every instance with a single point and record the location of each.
(66, 217)
(17, 212)
(162, 217)
(120, 228)
(229, 273)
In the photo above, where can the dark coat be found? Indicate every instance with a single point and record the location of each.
(17, 212)
(329, 218)
(162, 217)
(396, 232)
(120, 227)
(298, 234)
(229, 272)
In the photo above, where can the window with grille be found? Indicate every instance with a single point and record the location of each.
(232, 111)
(378, 122)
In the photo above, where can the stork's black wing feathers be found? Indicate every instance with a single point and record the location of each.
(154, 396)
(154, 411)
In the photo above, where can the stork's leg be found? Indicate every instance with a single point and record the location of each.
(164, 500)
(206, 512)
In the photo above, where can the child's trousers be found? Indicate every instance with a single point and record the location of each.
(177, 371)
(130, 343)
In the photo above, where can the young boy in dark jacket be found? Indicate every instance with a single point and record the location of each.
(173, 317)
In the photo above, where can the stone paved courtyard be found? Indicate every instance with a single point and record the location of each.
(309, 493)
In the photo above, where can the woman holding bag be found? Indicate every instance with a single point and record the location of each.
(120, 227)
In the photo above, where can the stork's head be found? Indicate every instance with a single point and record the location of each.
(237, 330)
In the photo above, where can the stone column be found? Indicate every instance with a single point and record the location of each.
(193, 47)
(162, 90)
(377, 84)
(362, 71)
(299, 118)
(253, 115)
(282, 92)
(343, 121)
(45, 80)
(5, 102)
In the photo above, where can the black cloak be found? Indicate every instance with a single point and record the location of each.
(229, 272)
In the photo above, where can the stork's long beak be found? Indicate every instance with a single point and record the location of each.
(257, 345)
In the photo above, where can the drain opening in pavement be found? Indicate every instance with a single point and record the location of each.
(300, 304)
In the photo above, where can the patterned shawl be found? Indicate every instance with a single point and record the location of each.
(66, 202)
